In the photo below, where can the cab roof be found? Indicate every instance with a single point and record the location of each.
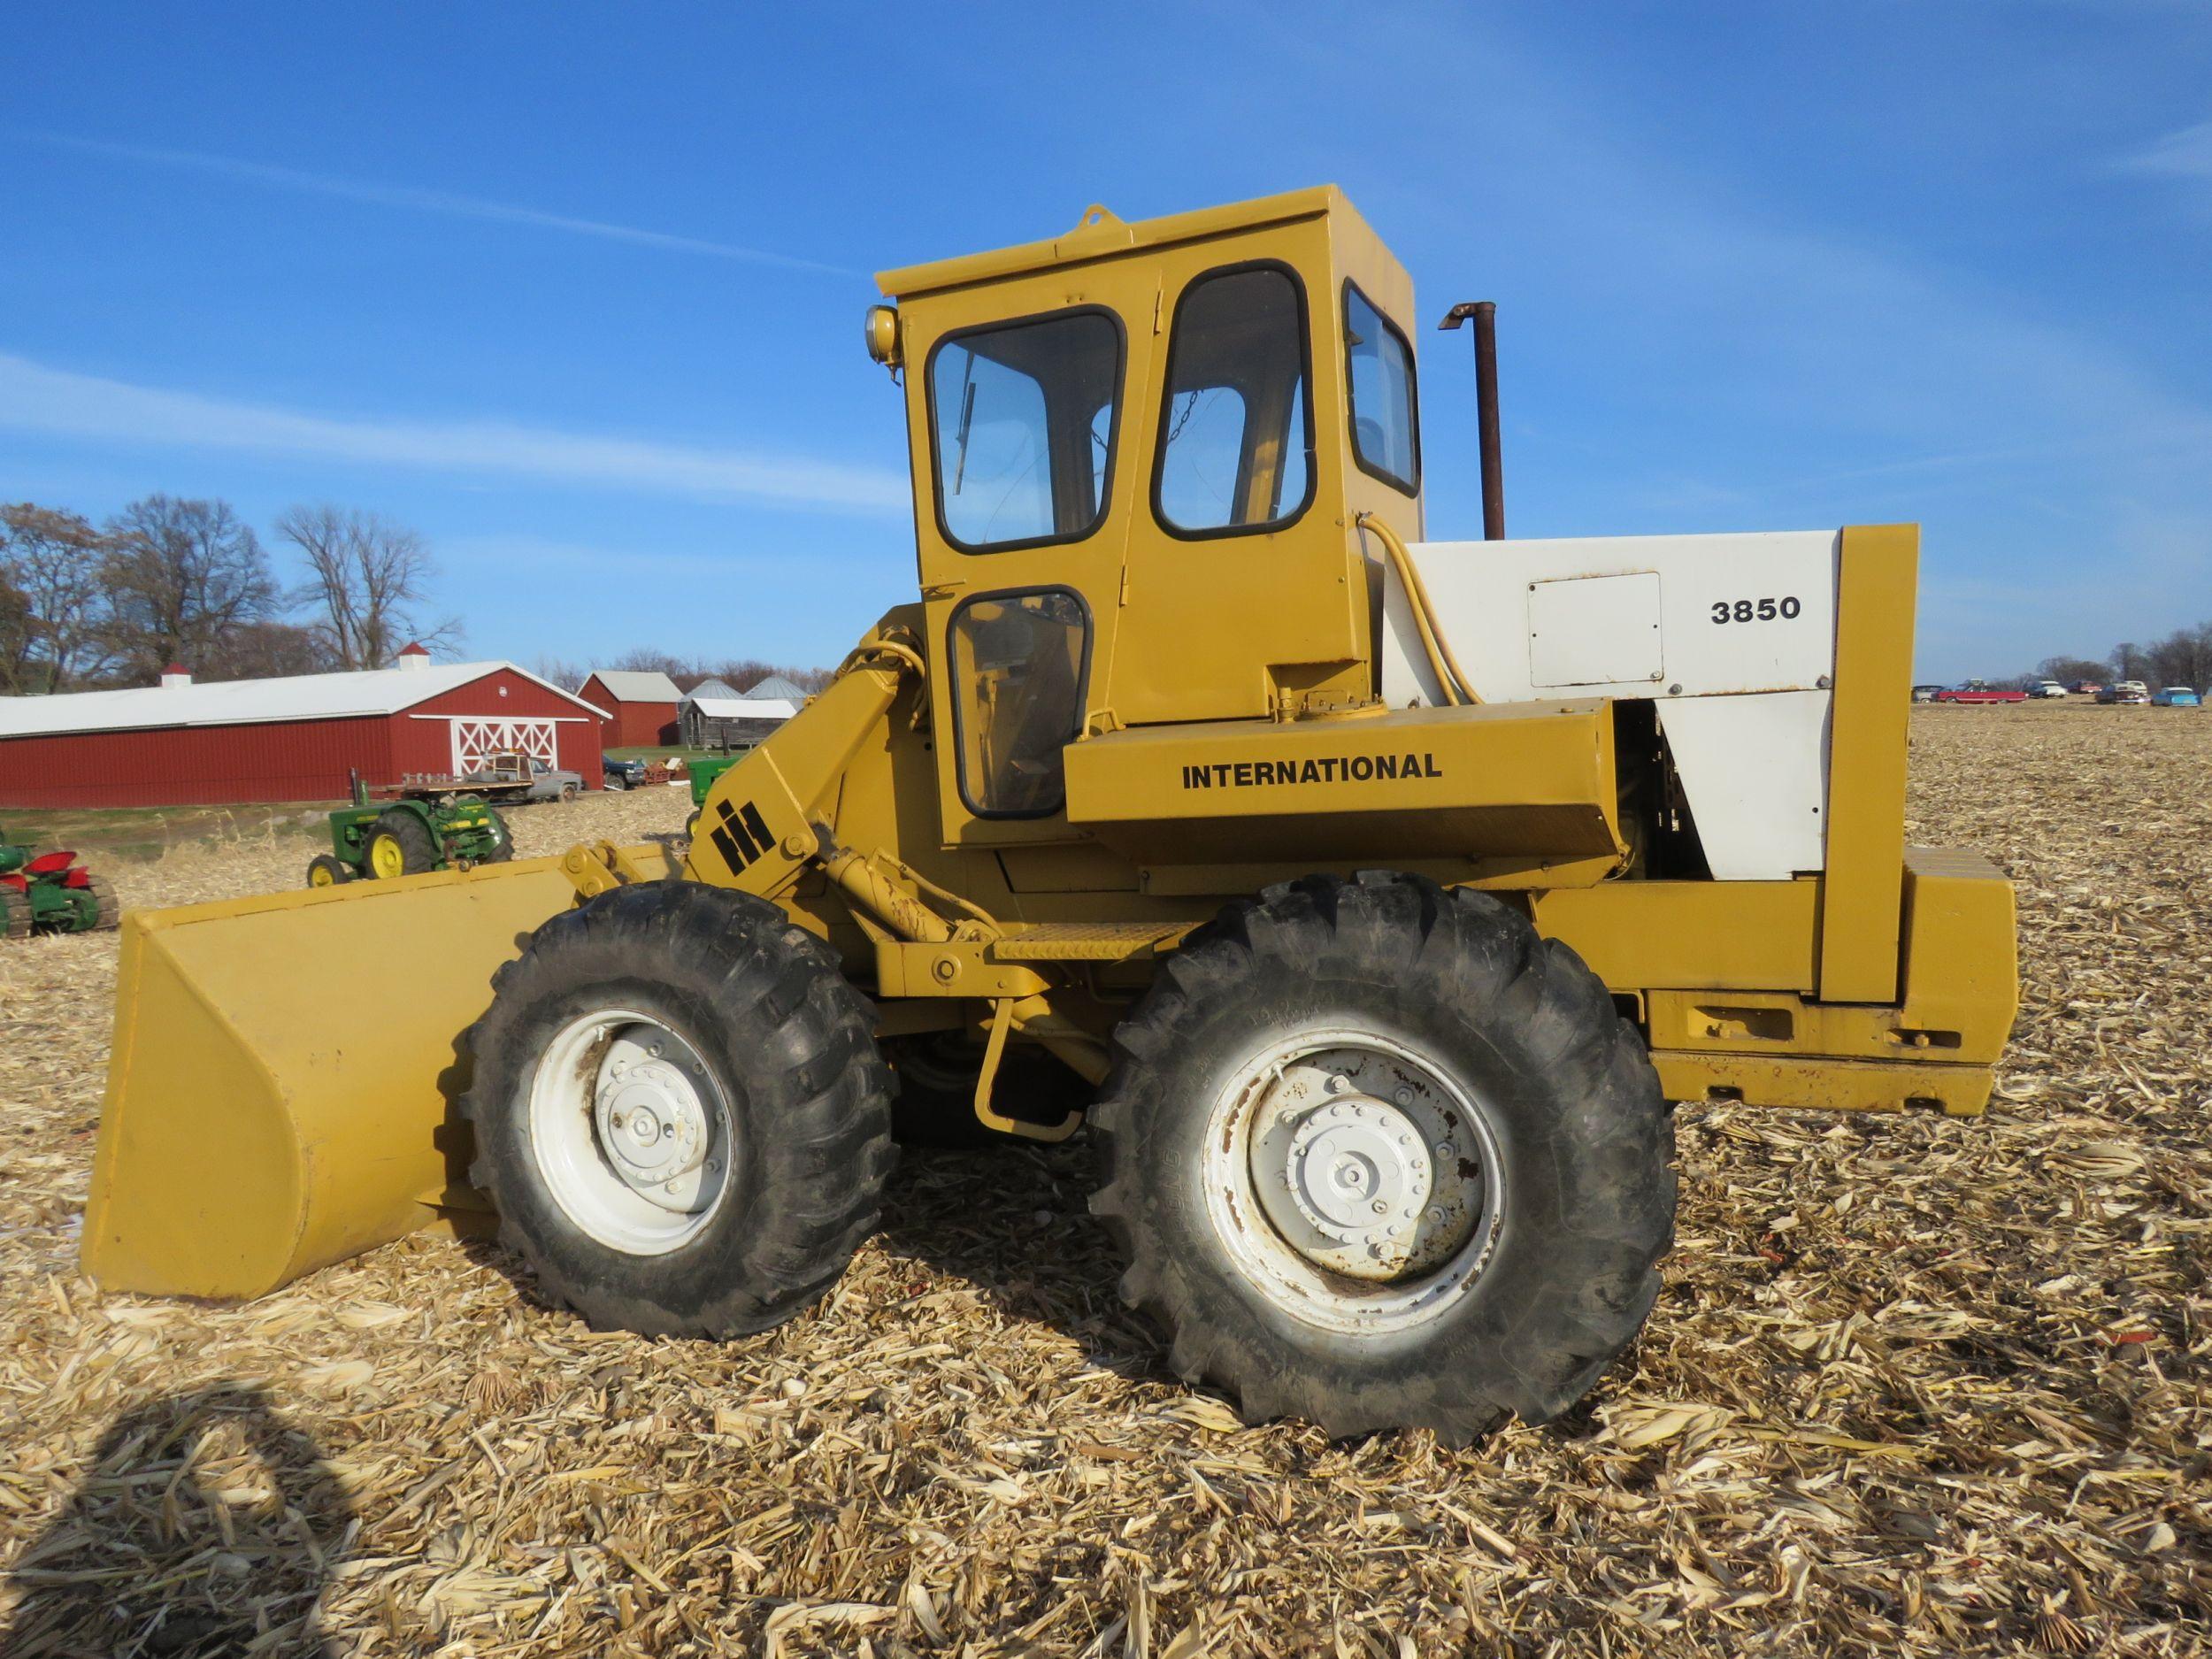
(1099, 233)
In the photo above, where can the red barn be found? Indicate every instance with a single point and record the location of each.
(294, 739)
(642, 706)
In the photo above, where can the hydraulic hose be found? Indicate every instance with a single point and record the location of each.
(1442, 663)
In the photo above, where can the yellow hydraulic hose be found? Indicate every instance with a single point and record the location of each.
(1442, 663)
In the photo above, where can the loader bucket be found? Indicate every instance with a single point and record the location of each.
(281, 1091)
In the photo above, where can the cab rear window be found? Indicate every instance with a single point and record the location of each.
(1378, 374)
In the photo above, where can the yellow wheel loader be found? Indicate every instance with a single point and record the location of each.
(1371, 897)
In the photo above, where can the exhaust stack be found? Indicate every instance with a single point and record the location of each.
(1486, 315)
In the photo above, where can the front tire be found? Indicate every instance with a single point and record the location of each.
(680, 1114)
(1379, 1155)
(326, 870)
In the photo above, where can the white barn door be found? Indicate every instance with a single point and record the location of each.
(475, 742)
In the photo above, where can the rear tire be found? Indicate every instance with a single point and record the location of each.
(1481, 1074)
(767, 1077)
(405, 841)
(107, 910)
(503, 839)
(15, 914)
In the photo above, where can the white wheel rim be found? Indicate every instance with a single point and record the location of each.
(630, 1132)
(1355, 1185)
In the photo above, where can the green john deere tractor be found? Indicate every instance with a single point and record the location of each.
(426, 827)
(51, 893)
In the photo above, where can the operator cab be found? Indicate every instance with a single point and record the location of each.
(1138, 450)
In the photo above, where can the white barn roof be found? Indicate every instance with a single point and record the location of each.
(631, 684)
(376, 691)
(711, 688)
(745, 708)
(777, 686)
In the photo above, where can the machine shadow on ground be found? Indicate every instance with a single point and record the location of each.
(1012, 1223)
(207, 1525)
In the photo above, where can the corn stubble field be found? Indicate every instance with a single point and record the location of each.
(1915, 1386)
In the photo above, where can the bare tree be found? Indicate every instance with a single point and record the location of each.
(2183, 658)
(745, 672)
(53, 561)
(643, 661)
(19, 637)
(558, 671)
(182, 576)
(2073, 671)
(264, 650)
(368, 581)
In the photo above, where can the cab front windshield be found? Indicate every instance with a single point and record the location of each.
(1022, 419)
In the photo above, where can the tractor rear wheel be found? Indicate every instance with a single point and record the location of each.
(107, 913)
(1379, 1155)
(680, 1111)
(16, 916)
(399, 843)
(326, 871)
(502, 841)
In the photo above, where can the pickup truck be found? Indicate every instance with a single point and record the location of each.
(525, 778)
(1976, 691)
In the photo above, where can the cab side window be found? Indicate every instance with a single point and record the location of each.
(1379, 371)
(1236, 432)
(1023, 419)
(1018, 663)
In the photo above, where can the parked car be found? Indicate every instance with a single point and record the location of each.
(1925, 694)
(2176, 698)
(621, 774)
(545, 782)
(2087, 689)
(2125, 691)
(2045, 689)
(1978, 691)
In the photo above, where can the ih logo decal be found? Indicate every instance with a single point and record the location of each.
(739, 834)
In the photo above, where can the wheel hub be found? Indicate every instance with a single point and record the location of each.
(651, 1122)
(1357, 1170)
(1365, 1165)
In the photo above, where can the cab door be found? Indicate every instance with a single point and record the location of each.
(1021, 419)
(1239, 591)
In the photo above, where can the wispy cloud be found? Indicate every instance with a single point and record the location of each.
(420, 201)
(60, 403)
(2186, 154)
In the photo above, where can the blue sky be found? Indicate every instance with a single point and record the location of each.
(576, 291)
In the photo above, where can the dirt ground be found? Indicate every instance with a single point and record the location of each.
(1916, 1386)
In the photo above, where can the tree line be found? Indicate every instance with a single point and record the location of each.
(2183, 658)
(740, 673)
(173, 580)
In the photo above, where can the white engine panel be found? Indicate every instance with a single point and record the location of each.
(1733, 637)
